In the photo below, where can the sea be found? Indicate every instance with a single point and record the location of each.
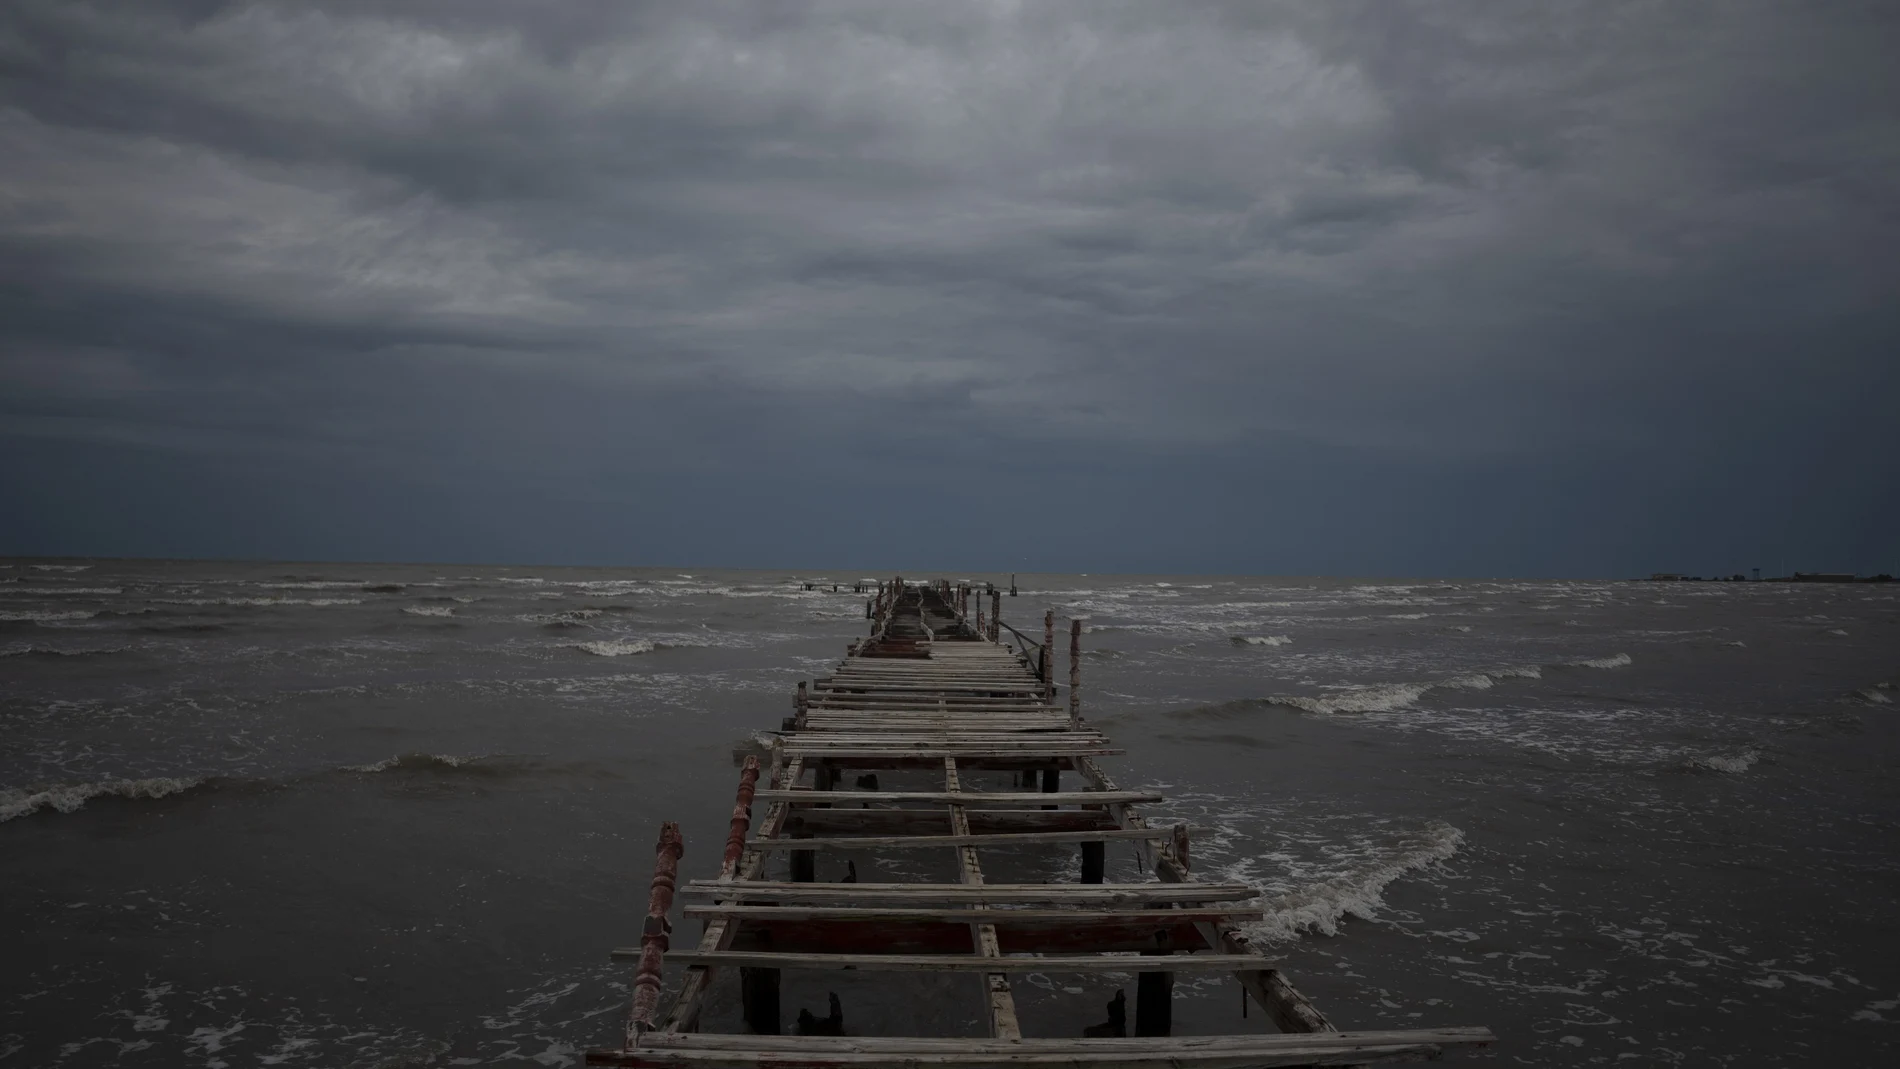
(398, 815)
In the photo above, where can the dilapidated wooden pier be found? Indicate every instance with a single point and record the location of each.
(942, 689)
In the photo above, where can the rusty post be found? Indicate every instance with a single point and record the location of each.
(799, 702)
(741, 817)
(1075, 673)
(1049, 653)
(655, 936)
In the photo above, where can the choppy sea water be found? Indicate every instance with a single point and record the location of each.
(335, 814)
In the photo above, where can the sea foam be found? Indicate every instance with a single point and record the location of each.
(66, 798)
(1261, 640)
(1320, 907)
(429, 610)
(616, 647)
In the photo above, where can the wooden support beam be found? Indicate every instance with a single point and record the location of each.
(992, 894)
(965, 798)
(664, 1051)
(1078, 963)
(933, 842)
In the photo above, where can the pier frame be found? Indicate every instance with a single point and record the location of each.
(932, 688)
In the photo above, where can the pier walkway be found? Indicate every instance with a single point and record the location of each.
(942, 696)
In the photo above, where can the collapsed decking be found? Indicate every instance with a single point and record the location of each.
(935, 688)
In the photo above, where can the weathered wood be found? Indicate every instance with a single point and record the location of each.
(967, 798)
(1070, 963)
(989, 894)
(1002, 918)
(666, 1051)
(1001, 1003)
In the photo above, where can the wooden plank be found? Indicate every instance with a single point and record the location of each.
(988, 894)
(1009, 918)
(966, 798)
(1001, 1003)
(933, 842)
(1084, 1049)
(1068, 963)
(1263, 1052)
(937, 822)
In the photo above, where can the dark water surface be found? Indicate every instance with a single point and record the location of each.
(328, 814)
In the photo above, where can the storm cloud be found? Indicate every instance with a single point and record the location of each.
(1366, 288)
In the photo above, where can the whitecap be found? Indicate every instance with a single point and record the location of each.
(616, 647)
(1619, 660)
(1730, 763)
(45, 617)
(429, 610)
(1321, 906)
(1261, 640)
(68, 797)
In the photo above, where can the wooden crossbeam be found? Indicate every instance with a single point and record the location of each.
(1002, 918)
(965, 798)
(1185, 1052)
(932, 842)
(1067, 963)
(988, 894)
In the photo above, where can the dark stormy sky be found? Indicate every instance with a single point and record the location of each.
(1390, 288)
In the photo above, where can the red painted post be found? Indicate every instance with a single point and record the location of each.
(741, 818)
(656, 935)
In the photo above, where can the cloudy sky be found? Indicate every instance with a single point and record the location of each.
(1433, 288)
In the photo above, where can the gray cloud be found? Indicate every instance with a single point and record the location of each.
(1577, 287)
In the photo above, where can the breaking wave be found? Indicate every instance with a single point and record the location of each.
(1876, 694)
(1261, 640)
(257, 602)
(1388, 697)
(1730, 763)
(62, 591)
(48, 651)
(617, 647)
(429, 610)
(66, 798)
(45, 616)
(1320, 907)
(417, 761)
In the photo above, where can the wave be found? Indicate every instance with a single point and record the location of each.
(41, 617)
(48, 651)
(429, 610)
(569, 618)
(256, 602)
(1876, 694)
(616, 647)
(418, 762)
(62, 567)
(1261, 640)
(1387, 697)
(1733, 764)
(40, 591)
(68, 797)
(1322, 906)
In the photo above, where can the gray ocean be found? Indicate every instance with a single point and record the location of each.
(346, 814)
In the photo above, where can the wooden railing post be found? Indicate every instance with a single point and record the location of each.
(1048, 654)
(1075, 673)
(657, 933)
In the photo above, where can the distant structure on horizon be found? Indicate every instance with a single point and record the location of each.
(1798, 577)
